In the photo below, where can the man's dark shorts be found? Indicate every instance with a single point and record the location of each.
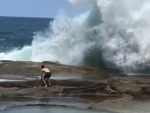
(47, 75)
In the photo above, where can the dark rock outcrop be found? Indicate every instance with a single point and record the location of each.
(98, 92)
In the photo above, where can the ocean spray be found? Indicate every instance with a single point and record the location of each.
(117, 30)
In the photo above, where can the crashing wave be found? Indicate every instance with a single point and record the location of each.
(110, 33)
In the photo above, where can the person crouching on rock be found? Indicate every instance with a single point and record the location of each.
(46, 74)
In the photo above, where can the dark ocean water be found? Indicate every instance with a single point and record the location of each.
(16, 32)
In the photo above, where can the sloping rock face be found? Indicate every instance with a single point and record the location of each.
(20, 70)
(65, 87)
(118, 86)
(135, 86)
(98, 92)
(33, 68)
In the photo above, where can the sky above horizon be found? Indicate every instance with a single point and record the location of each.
(36, 8)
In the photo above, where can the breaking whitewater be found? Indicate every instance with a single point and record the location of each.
(111, 33)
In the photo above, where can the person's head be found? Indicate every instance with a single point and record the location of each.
(42, 66)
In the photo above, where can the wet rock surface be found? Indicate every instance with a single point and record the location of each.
(20, 84)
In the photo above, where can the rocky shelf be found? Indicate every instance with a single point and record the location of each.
(100, 93)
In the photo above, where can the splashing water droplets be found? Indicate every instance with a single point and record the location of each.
(117, 30)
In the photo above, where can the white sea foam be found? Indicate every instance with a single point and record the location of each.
(119, 28)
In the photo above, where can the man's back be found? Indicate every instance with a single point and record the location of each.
(46, 70)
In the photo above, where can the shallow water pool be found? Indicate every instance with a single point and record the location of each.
(46, 109)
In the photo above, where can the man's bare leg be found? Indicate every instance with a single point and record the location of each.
(44, 83)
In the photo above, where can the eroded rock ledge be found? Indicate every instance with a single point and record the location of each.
(113, 87)
(99, 93)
